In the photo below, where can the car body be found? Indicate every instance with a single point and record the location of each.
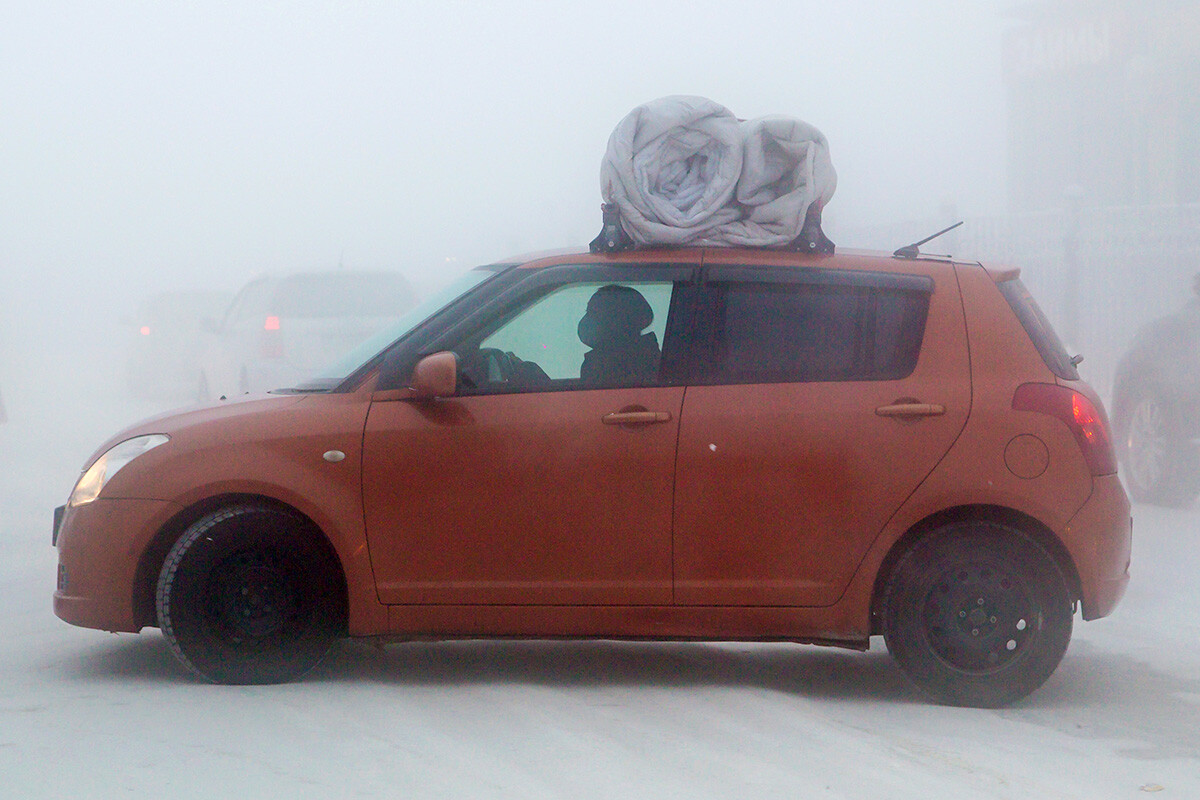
(166, 339)
(280, 328)
(814, 444)
(1156, 409)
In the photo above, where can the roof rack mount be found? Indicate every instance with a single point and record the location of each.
(614, 239)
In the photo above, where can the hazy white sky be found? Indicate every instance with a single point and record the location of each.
(151, 145)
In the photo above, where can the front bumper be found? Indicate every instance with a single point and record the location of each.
(99, 547)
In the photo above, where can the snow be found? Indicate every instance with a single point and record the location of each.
(89, 714)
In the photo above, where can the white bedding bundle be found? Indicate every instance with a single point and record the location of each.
(685, 170)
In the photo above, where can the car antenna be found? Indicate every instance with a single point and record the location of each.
(913, 250)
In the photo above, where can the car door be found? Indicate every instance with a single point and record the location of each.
(533, 484)
(823, 399)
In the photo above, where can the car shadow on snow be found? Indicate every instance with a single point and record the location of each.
(1093, 694)
(798, 669)
(123, 657)
(809, 671)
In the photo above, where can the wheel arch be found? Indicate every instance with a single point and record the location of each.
(1028, 525)
(155, 554)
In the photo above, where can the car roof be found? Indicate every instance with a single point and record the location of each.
(844, 258)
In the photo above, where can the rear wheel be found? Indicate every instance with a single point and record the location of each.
(977, 614)
(249, 594)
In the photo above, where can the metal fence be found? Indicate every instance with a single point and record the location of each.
(1099, 273)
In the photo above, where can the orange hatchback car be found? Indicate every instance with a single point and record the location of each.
(706, 444)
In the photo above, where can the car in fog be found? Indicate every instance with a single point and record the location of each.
(280, 328)
(166, 341)
(704, 444)
(1156, 408)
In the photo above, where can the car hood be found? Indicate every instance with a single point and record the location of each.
(208, 417)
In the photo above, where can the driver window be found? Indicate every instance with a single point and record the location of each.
(584, 335)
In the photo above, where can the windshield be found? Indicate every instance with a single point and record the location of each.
(333, 374)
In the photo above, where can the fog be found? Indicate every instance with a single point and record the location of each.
(148, 147)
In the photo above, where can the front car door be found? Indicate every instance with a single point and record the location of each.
(823, 399)
(545, 480)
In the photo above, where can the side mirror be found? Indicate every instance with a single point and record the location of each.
(435, 376)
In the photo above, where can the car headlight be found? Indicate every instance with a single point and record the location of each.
(92, 481)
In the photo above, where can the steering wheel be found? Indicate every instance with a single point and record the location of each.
(499, 366)
(490, 366)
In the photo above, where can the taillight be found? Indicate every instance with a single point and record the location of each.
(272, 345)
(1086, 421)
(144, 330)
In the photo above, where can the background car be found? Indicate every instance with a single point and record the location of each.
(1156, 408)
(280, 328)
(166, 342)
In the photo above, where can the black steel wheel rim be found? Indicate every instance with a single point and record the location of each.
(978, 618)
(253, 599)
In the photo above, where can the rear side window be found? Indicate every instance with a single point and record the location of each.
(1035, 323)
(818, 330)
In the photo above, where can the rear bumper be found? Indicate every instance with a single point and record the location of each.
(1101, 537)
(99, 547)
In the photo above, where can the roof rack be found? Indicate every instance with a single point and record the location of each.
(614, 239)
(812, 239)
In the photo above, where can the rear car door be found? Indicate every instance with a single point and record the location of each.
(822, 398)
(544, 480)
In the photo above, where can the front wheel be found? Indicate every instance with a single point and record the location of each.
(249, 594)
(977, 614)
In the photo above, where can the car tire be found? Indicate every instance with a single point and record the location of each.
(977, 614)
(250, 594)
(1161, 465)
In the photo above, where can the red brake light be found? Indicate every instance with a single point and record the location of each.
(144, 330)
(272, 345)
(1077, 412)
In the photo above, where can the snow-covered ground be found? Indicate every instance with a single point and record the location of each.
(89, 714)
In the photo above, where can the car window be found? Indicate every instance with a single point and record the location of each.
(1040, 331)
(348, 294)
(371, 348)
(766, 332)
(248, 305)
(579, 335)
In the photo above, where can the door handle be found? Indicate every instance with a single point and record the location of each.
(636, 417)
(911, 409)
